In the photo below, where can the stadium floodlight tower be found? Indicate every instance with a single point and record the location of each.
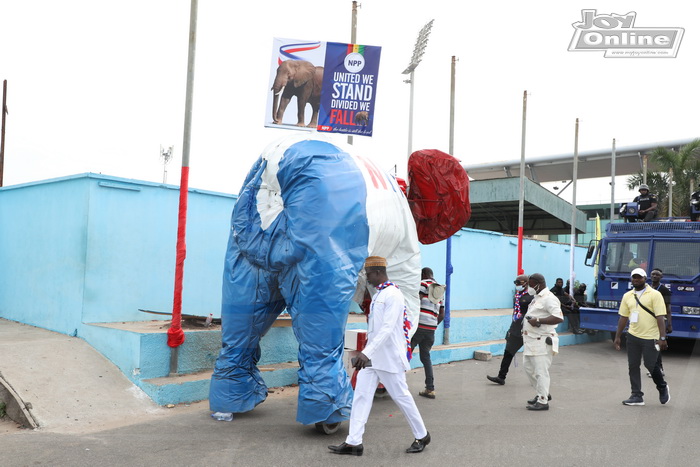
(418, 52)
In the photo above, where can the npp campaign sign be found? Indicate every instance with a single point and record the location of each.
(337, 81)
(349, 88)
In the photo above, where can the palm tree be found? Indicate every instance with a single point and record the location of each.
(685, 165)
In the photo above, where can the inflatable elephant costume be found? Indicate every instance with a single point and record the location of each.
(307, 216)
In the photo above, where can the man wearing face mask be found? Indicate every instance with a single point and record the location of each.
(514, 336)
(540, 339)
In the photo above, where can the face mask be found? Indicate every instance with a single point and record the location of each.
(519, 288)
(531, 291)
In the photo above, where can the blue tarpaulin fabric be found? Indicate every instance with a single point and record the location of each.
(299, 237)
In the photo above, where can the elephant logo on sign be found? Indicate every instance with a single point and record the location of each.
(300, 79)
(362, 118)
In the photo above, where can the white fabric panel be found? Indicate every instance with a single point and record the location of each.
(392, 235)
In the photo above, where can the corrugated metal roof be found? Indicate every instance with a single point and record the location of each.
(495, 207)
(592, 164)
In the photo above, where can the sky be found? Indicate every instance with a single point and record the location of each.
(98, 86)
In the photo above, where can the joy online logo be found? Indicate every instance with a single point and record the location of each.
(618, 38)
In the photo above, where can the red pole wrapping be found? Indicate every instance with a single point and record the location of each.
(176, 335)
(520, 251)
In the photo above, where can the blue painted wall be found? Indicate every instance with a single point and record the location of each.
(92, 248)
(42, 254)
(485, 265)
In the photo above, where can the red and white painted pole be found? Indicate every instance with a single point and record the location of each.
(521, 203)
(176, 335)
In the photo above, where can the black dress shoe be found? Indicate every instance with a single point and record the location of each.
(346, 448)
(533, 401)
(538, 406)
(419, 444)
(497, 379)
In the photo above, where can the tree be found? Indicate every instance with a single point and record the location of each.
(685, 164)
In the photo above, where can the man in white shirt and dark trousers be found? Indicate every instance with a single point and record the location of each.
(383, 360)
(431, 315)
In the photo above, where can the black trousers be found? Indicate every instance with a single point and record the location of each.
(574, 320)
(514, 341)
(638, 351)
(424, 339)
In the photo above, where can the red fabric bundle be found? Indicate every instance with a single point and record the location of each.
(438, 194)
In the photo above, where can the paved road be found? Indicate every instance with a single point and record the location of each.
(472, 422)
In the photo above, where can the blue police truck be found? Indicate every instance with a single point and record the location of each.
(672, 246)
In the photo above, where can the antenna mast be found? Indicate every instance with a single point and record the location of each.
(166, 154)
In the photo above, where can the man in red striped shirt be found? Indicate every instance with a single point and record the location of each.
(431, 315)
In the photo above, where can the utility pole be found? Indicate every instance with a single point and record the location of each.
(448, 244)
(521, 198)
(670, 192)
(612, 183)
(2, 132)
(572, 274)
(176, 336)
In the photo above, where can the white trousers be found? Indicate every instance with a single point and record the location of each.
(366, 386)
(537, 370)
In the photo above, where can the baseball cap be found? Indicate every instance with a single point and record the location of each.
(638, 271)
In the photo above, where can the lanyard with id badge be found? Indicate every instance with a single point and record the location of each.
(634, 316)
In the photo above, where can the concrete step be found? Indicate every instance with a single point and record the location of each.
(140, 350)
(195, 386)
(185, 388)
(465, 350)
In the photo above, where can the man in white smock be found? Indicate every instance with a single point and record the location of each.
(383, 360)
(540, 339)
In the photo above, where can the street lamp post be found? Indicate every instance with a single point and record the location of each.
(418, 52)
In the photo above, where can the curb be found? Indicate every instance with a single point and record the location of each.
(15, 408)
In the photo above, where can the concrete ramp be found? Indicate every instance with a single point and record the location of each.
(61, 383)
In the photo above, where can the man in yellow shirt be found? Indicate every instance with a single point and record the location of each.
(644, 309)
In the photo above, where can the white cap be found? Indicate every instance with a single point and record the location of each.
(639, 271)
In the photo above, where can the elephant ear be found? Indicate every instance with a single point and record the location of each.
(438, 194)
(305, 71)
